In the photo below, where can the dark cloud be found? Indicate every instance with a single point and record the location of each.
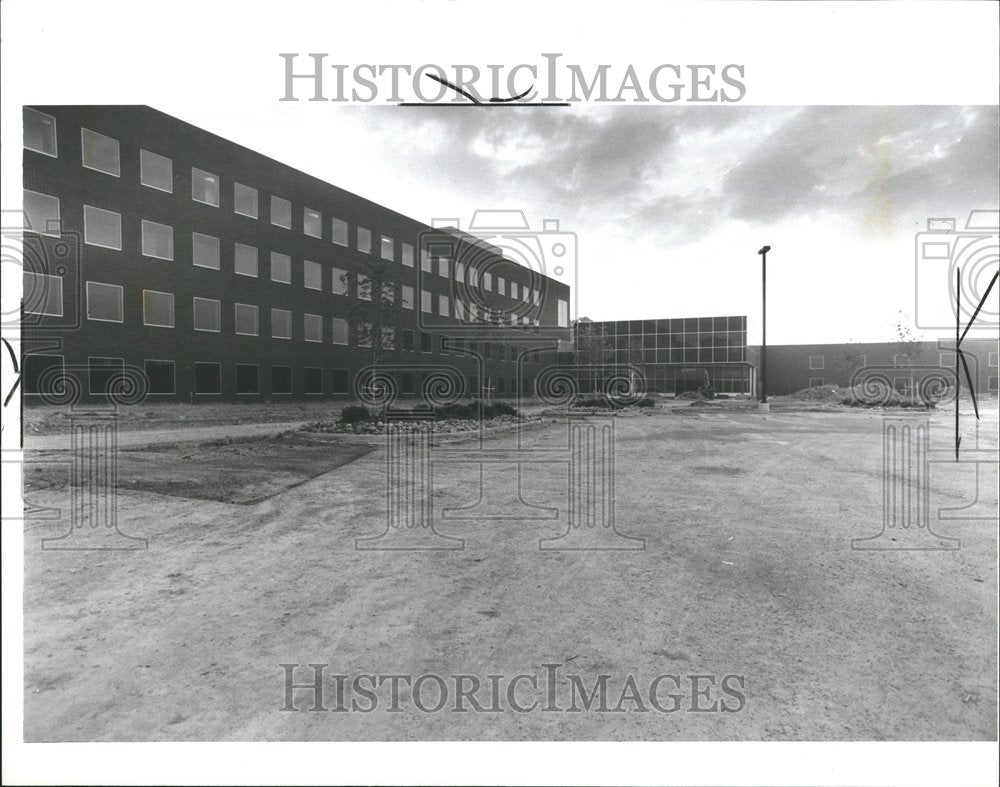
(649, 170)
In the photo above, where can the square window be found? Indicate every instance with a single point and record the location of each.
(340, 283)
(245, 260)
(408, 255)
(993, 358)
(816, 362)
(339, 330)
(443, 306)
(104, 302)
(388, 249)
(281, 212)
(312, 380)
(338, 229)
(443, 266)
(459, 272)
(488, 281)
(157, 240)
(364, 240)
(501, 285)
(313, 327)
(815, 382)
(426, 343)
(207, 314)
(562, 308)
(281, 324)
(42, 294)
(158, 308)
(247, 319)
(312, 275)
(281, 268)
(102, 227)
(207, 378)
(312, 222)
(40, 132)
(426, 263)
(42, 373)
(41, 213)
(364, 288)
(247, 378)
(204, 187)
(339, 381)
(245, 200)
(425, 302)
(281, 379)
(104, 374)
(156, 171)
(407, 296)
(407, 338)
(160, 375)
(362, 334)
(443, 345)
(100, 152)
(205, 251)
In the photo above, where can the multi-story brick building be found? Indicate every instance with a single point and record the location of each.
(210, 271)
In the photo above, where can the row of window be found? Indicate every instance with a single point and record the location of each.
(104, 228)
(665, 325)
(666, 341)
(101, 153)
(946, 360)
(41, 373)
(105, 304)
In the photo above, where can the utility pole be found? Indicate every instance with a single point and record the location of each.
(763, 348)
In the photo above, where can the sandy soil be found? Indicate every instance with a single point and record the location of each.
(748, 569)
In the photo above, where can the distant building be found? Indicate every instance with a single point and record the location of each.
(215, 273)
(792, 367)
(670, 355)
(682, 354)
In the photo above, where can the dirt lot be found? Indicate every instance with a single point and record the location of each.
(748, 570)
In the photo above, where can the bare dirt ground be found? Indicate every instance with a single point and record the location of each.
(748, 569)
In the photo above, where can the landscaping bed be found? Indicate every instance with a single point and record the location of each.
(469, 417)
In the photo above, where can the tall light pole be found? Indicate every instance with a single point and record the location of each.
(763, 347)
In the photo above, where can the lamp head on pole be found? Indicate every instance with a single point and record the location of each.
(764, 250)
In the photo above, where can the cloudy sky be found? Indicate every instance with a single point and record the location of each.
(670, 205)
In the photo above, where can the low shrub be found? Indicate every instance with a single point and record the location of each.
(355, 413)
(646, 401)
(708, 391)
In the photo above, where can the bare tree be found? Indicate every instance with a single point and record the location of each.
(911, 346)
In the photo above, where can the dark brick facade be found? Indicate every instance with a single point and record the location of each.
(792, 367)
(508, 358)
